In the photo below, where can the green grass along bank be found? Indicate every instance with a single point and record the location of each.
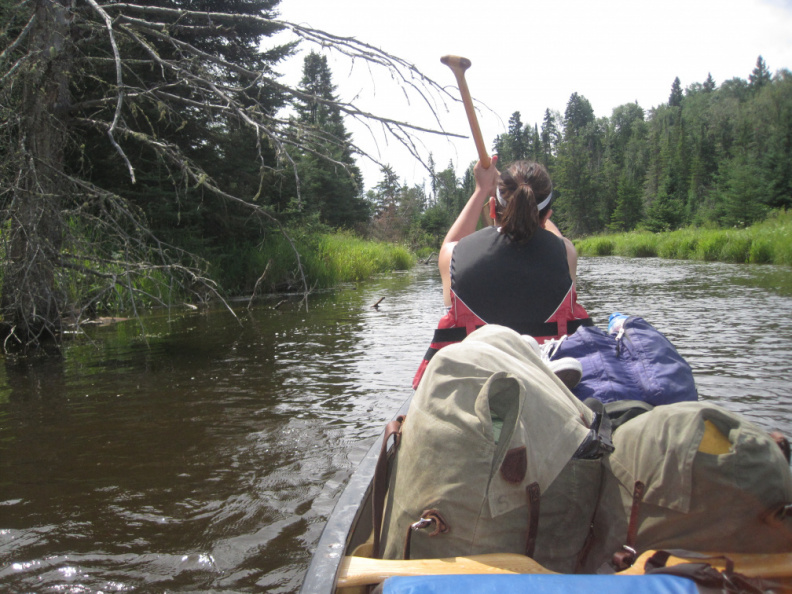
(326, 259)
(768, 242)
(332, 258)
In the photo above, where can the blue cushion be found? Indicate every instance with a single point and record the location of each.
(540, 584)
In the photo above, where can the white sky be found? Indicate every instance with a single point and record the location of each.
(529, 56)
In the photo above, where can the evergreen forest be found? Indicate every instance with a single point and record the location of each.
(714, 154)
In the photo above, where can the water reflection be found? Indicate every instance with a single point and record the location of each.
(209, 457)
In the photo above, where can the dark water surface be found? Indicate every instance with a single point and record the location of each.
(208, 458)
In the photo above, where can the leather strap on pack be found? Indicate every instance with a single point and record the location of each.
(428, 517)
(534, 495)
(626, 557)
(381, 478)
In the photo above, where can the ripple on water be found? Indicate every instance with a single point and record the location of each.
(209, 460)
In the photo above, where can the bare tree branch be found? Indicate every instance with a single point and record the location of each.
(119, 85)
(18, 41)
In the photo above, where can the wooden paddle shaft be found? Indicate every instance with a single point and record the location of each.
(359, 571)
(458, 65)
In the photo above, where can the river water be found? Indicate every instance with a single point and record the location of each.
(207, 456)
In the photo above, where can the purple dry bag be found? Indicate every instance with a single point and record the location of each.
(636, 362)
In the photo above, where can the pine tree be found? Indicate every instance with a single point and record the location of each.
(628, 210)
(386, 195)
(742, 191)
(760, 75)
(576, 174)
(518, 137)
(578, 115)
(513, 145)
(537, 151)
(330, 179)
(448, 193)
(550, 139)
(675, 99)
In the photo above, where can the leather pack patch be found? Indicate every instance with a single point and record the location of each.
(515, 465)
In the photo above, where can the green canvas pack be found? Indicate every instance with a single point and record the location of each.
(487, 459)
(691, 476)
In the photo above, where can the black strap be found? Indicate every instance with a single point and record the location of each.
(575, 324)
(541, 329)
(430, 352)
(449, 335)
(619, 411)
(704, 574)
(599, 440)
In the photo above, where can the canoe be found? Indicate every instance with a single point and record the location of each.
(338, 565)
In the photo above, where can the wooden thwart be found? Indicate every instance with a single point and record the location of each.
(361, 571)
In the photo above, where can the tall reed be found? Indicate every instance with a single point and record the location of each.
(326, 259)
(768, 242)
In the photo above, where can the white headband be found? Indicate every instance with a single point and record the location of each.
(544, 204)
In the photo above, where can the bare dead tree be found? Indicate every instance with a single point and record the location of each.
(70, 69)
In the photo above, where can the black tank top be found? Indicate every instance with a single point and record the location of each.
(514, 285)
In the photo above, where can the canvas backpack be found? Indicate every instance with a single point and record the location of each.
(495, 455)
(637, 362)
(691, 476)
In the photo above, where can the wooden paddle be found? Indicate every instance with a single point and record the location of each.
(360, 571)
(458, 65)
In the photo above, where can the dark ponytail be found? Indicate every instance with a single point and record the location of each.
(522, 186)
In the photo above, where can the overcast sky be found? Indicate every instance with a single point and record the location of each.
(529, 56)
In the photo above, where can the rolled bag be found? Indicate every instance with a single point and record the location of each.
(478, 477)
(711, 482)
(638, 363)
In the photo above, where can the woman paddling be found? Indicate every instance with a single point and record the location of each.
(519, 273)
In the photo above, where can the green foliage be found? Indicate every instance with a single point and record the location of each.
(737, 249)
(678, 245)
(768, 242)
(326, 259)
(637, 245)
(760, 76)
(761, 252)
(522, 142)
(710, 246)
(330, 181)
(709, 156)
(345, 257)
(599, 246)
(435, 222)
(675, 99)
(398, 210)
